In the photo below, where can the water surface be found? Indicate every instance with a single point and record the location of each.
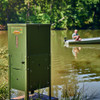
(76, 66)
(72, 67)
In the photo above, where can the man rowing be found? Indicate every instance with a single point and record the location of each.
(75, 36)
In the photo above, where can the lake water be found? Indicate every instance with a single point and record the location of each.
(76, 66)
(72, 68)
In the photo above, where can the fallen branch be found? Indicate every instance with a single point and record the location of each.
(59, 20)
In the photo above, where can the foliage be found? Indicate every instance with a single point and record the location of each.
(3, 91)
(80, 14)
(3, 73)
(3, 58)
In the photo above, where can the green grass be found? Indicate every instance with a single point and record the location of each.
(3, 91)
(3, 73)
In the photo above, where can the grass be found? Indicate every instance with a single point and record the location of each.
(3, 84)
(4, 57)
(3, 73)
(78, 94)
(3, 91)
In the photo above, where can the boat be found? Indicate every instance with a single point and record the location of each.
(95, 40)
(92, 46)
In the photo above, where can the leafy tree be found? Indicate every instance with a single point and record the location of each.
(72, 14)
(3, 11)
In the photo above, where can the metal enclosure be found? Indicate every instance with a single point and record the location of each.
(29, 56)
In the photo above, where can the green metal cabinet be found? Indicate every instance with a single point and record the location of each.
(29, 56)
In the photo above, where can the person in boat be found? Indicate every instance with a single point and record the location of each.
(75, 36)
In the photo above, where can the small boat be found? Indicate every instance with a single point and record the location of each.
(95, 40)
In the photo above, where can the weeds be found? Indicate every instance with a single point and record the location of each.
(3, 91)
(78, 94)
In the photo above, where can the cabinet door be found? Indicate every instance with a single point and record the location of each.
(39, 71)
(39, 55)
(17, 52)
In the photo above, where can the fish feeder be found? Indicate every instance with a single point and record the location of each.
(29, 57)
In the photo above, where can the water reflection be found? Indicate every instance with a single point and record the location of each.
(86, 62)
(75, 51)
